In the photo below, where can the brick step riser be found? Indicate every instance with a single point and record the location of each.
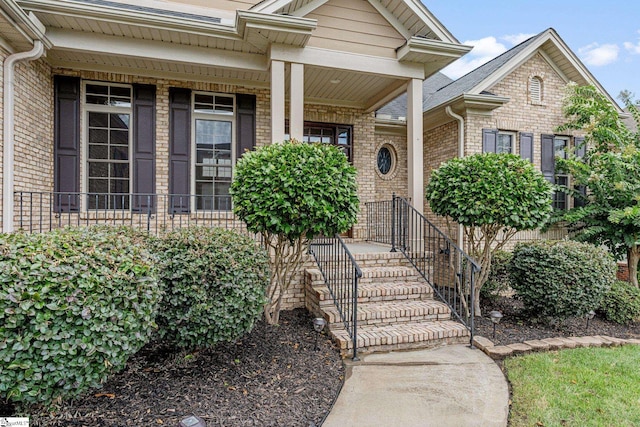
(415, 345)
(328, 303)
(387, 319)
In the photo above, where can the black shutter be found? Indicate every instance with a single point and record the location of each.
(526, 146)
(66, 144)
(581, 151)
(548, 158)
(179, 149)
(144, 147)
(246, 123)
(489, 140)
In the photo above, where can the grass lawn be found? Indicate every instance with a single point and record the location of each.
(581, 387)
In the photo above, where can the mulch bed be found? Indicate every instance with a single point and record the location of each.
(271, 377)
(516, 326)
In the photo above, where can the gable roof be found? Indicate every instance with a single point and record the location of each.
(478, 81)
(397, 109)
(409, 17)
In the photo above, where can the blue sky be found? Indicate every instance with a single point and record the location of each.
(605, 34)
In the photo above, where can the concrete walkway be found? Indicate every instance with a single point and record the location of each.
(448, 386)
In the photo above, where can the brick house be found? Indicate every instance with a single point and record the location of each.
(510, 104)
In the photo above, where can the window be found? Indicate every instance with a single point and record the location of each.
(213, 136)
(496, 141)
(560, 146)
(327, 133)
(108, 142)
(535, 90)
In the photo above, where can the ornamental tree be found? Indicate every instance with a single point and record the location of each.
(492, 196)
(610, 172)
(288, 193)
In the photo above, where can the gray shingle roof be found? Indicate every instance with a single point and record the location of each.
(165, 12)
(439, 89)
(398, 107)
(470, 80)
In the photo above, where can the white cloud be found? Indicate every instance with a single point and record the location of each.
(633, 48)
(484, 50)
(515, 39)
(598, 55)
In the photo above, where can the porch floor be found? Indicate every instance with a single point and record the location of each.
(363, 247)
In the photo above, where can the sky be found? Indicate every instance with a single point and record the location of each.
(605, 34)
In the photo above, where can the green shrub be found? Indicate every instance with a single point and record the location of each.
(561, 279)
(499, 281)
(74, 305)
(621, 304)
(214, 283)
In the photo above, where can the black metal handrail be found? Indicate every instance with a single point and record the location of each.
(450, 272)
(37, 211)
(341, 274)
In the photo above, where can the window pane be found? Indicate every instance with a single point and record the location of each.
(98, 136)
(98, 170)
(119, 137)
(504, 143)
(100, 120)
(119, 121)
(560, 148)
(120, 170)
(97, 100)
(124, 92)
(98, 151)
(119, 186)
(98, 186)
(120, 102)
(119, 152)
(98, 89)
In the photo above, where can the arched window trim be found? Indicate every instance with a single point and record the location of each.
(536, 90)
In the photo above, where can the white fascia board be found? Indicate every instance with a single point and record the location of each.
(471, 101)
(326, 58)
(391, 19)
(28, 25)
(309, 7)
(275, 22)
(119, 46)
(270, 6)
(122, 16)
(432, 22)
(429, 48)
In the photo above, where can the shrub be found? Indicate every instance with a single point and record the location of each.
(621, 304)
(214, 283)
(74, 305)
(289, 193)
(493, 196)
(499, 281)
(561, 279)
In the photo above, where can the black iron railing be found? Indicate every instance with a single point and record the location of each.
(44, 211)
(447, 268)
(341, 274)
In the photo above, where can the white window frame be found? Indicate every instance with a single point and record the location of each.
(194, 150)
(86, 109)
(568, 144)
(513, 136)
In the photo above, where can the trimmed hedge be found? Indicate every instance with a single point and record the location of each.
(74, 305)
(214, 282)
(621, 304)
(561, 279)
(499, 280)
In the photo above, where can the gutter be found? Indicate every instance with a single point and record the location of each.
(460, 120)
(8, 130)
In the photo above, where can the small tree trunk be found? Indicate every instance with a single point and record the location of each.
(633, 256)
(476, 302)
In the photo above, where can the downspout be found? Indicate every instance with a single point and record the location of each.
(460, 120)
(8, 130)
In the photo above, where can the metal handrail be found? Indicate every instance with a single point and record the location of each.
(341, 274)
(450, 272)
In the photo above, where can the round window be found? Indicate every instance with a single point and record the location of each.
(385, 160)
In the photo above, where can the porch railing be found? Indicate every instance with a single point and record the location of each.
(341, 274)
(447, 268)
(44, 211)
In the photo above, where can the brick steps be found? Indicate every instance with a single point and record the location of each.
(402, 336)
(393, 312)
(396, 309)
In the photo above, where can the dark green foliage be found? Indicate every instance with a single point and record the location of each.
(214, 282)
(561, 279)
(295, 189)
(74, 305)
(621, 304)
(499, 280)
(495, 189)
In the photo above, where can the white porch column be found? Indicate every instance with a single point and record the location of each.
(277, 101)
(415, 158)
(296, 103)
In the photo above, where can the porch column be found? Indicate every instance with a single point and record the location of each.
(277, 101)
(415, 166)
(296, 103)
